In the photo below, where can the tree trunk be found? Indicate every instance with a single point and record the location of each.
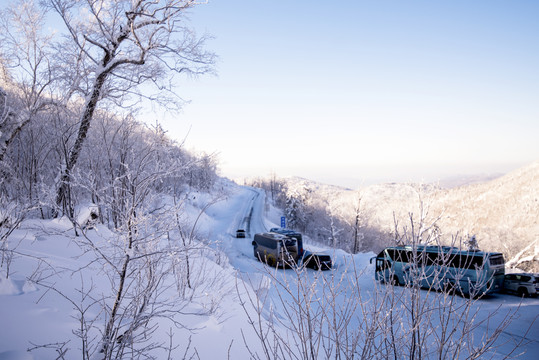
(63, 198)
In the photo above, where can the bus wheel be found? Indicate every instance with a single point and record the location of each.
(395, 281)
(522, 292)
(271, 261)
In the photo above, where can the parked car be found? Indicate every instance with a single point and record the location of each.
(240, 233)
(317, 261)
(522, 284)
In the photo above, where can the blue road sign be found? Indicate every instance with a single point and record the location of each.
(283, 222)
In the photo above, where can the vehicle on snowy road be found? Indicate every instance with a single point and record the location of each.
(522, 284)
(240, 233)
(275, 249)
(317, 261)
(465, 272)
(291, 234)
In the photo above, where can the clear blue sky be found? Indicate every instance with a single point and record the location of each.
(351, 92)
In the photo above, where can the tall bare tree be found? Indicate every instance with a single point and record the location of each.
(121, 45)
(356, 227)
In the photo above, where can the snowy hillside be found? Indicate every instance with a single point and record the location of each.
(59, 293)
(502, 213)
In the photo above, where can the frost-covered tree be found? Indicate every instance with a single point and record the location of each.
(295, 210)
(334, 230)
(8, 120)
(119, 146)
(25, 53)
(202, 173)
(472, 243)
(358, 235)
(114, 48)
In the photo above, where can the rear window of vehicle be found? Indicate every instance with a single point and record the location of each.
(289, 242)
(496, 260)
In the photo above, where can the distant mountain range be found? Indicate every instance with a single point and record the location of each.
(462, 180)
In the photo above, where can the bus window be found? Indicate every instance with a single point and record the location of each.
(466, 270)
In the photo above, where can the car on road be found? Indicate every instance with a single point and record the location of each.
(317, 261)
(522, 284)
(240, 233)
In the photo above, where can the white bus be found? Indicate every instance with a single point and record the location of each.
(473, 273)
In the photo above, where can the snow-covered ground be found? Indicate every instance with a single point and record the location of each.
(215, 321)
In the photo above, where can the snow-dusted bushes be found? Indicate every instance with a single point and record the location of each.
(344, 315)
(316, 315)
(136, 281)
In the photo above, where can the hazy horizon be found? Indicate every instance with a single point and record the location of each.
(367, 91)
(444, 179)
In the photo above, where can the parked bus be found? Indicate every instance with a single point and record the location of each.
(276, 249)
(466, 272)
(291, 234)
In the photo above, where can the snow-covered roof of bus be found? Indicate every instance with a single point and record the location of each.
(274, 236)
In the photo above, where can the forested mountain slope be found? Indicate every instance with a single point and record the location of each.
(502, 213)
